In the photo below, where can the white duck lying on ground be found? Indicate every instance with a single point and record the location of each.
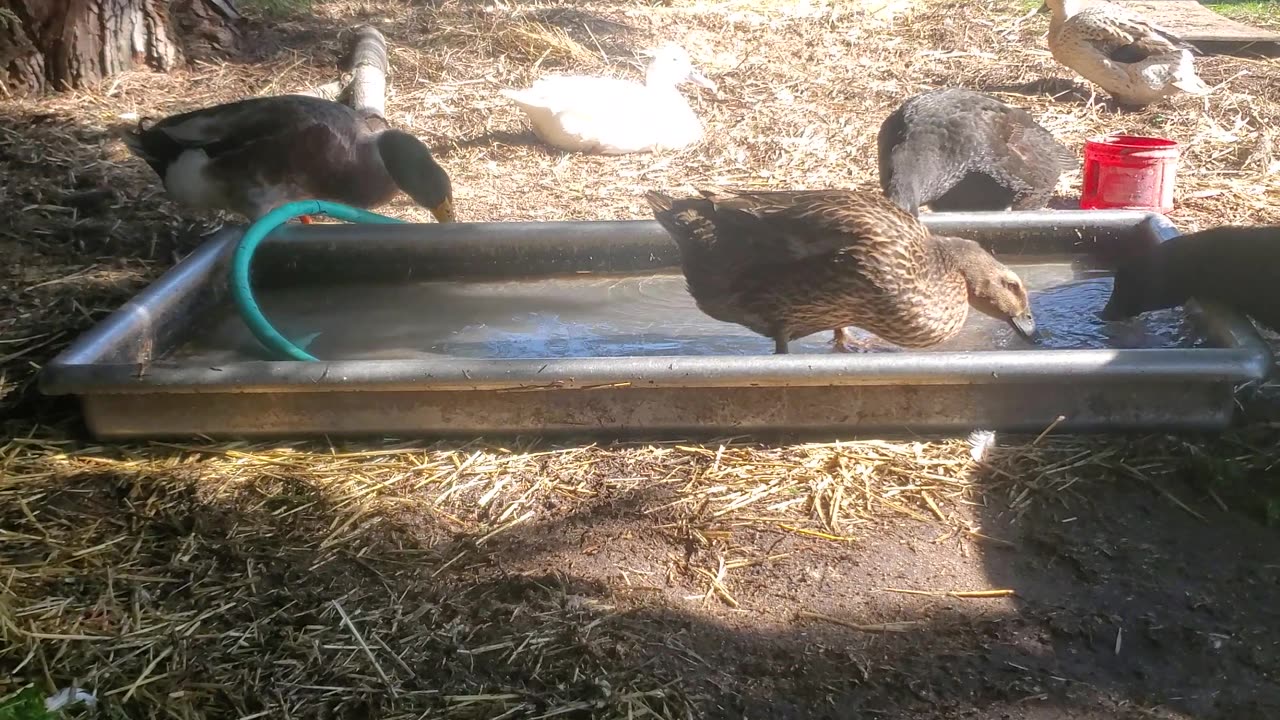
(1130, 57)
(610, 116)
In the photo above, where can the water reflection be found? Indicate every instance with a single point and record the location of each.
(617, 316)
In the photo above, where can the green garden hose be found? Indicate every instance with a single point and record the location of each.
(242, 293)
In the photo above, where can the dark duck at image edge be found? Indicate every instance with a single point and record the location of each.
(1237, 266)
(787, 264)
(959, 150)
(251, 156)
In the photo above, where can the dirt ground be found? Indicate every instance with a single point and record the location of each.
(1064, 578)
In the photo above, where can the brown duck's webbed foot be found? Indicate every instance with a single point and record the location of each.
(841, 339)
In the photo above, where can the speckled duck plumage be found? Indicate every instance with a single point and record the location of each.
(786, 264)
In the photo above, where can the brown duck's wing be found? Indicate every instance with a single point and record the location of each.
(785, 237)
(782, 225)
(292, 146)
(1157, 36)
(1008, 145)
(743, 228)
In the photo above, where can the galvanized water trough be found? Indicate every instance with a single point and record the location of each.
(584, 327)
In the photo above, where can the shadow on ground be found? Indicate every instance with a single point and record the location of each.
(1142, 599)
(1060, 89)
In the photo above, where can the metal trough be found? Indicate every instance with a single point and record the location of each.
(511, 341)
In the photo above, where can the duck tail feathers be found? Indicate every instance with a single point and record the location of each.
(686, 221)
(1185, 77)
(1192, 84)
(523, 98)
(134, 138)
(660, 202)
(151, 145)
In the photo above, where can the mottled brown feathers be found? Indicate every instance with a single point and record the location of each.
(787, 264)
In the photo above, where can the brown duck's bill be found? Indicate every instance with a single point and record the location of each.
(443, 211)
(1026, 327)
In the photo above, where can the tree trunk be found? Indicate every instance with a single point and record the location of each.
(67, 44)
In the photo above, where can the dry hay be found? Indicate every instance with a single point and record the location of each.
(238, 580)
(233, 580)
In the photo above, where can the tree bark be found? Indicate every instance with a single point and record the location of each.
(67, 44)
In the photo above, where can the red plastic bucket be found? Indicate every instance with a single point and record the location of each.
(1129, 172)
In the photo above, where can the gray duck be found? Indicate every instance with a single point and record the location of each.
(955, 150)
(787, 264)
(1232, 265)
(254, 155)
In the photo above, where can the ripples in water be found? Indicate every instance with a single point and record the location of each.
(617, 316)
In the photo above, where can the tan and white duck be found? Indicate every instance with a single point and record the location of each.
(1134, 60)
(254, 155)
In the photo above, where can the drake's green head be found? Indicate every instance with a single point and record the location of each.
(417, 173)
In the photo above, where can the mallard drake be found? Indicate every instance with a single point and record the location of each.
(609, 116)
(254, 155)
(1232, 265)
(956, 149)
(1130, 57)
(786, 264)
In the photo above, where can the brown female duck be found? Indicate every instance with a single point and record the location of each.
(254, 155)
(1232, 265)
(786, 264)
